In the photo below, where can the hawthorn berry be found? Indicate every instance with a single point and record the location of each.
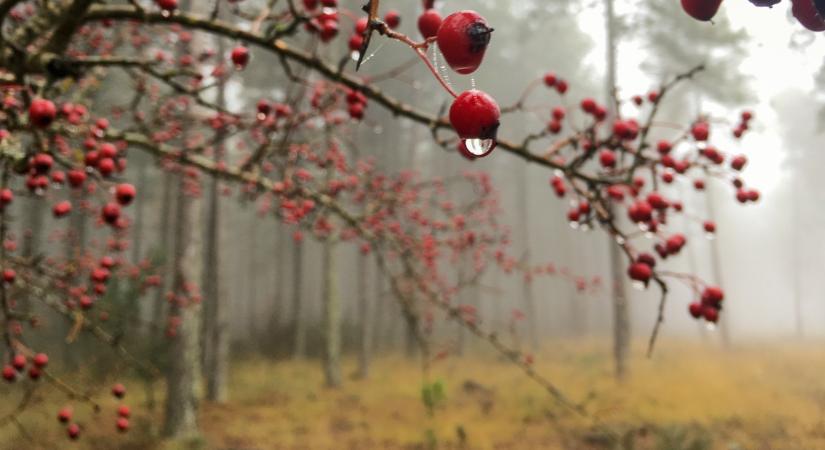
(805, 12)
(118, 390)
(64, 415)
(61, 209)
(40, 360)
(392, 19)
(122, 424)
(167, 5)
(125, 193)
(641, 272)
(695, 309)
(607, 158)
(110, 213)
(463, 38)
(9, 373)
(240, 57)
(19, 362)
(73, 431)
(124, 411)
(475, 116)
(703, 10)
(42, 112)
(428, 23)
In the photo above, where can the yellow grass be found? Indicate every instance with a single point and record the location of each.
(689, 396)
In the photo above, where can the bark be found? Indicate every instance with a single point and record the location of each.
(365, 318)
(621, 313)
(298, 321)
(182, 382)
(527, 281)
(331, 322)
(215, 323)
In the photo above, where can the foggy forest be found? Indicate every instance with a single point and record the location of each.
(417, 224)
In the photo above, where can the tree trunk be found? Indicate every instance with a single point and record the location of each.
(527, 280)
(331, 322)
(182, 382)
(298, 321)
(621, 313)
(216, 328)
(364, 316)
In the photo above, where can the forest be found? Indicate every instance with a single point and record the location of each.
(411, 225)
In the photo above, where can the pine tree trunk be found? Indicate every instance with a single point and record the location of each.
(298, 321)
(331, 322)
(183, 376)
(365, 318)
(621, 313)
(216, 328)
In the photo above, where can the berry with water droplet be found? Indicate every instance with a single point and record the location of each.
(475, 115)
(463, 38)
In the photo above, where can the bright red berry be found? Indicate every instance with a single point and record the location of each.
(122, 424)
(40, 360)
(42, 112)
(475, 115)
(110, 213)
(125, 193)
(640, 272)
(240, 57)
(428, 23)
(61, 209)
(463, 38)
(392, 19)
(64, 415)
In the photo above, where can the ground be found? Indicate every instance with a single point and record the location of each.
(688, 396)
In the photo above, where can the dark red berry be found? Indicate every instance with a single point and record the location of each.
(428, 23)
(42, 112)
(703, 10)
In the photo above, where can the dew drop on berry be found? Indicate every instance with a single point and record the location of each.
(479, 147)
(710, 326)
(638, 285)
(710, 236)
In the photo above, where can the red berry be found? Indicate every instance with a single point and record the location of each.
(392, 19)
(61, 209)
(710, 313)
(42, 112)
(9, 373)
(463, 38)
(640, 272)
(428, 23)
(40, 360)
(696, 309)
(122, 424)
(550, 79)
(709, 226)
(240, 56)
(703, 10)
(42, 162)
(475, 115)
(738, 162)
(167, 5)
(361, 25)
(700, 131)
(589, 105)
(73, 431)
(123, 411)
(118, 390)
(64, 415)
(76, 177)
(125, 193)
(110, 213)
(806, 13)
(9, 275)
(607, 158)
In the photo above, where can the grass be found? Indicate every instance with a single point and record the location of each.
(688, 397)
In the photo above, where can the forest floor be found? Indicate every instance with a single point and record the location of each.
(687, 397)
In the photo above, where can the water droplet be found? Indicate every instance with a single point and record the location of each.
(479, 147)
(710, 326)
(649, 235)
(638, 285)
(261, 116)
(620, 240)
(355, 55)
(57, 186)
(473, 82)
(165, 13)
(574, 225)
(710, 236)
(643, 226)
(585, 227)
(378, 129)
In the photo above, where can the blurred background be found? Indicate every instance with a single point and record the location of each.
(754, 382)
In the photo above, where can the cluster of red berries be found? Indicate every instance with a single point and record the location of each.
(551, 80)
(19, 363)
(356, 40)
(744, 124)
(809, 13)
(65, 415)
(124, 193)
(324, 23)
(709, 305)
